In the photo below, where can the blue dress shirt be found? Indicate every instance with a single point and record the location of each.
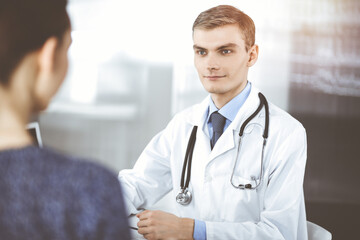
(229, 111)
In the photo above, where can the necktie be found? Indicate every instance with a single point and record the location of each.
(218, 122)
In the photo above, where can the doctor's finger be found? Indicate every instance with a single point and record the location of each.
(145, 230)
(150, 236)
(143, 214)
(144, 223)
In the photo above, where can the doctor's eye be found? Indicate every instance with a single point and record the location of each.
(201, 52)
(226, 51)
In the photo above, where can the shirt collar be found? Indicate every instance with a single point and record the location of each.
(230, 109)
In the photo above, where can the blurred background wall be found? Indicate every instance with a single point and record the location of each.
(131, 70)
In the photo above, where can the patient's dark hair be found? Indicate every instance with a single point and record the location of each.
(25, 25)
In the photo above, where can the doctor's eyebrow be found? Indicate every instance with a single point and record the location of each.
(225, 46)
(196, 47)
(228, 45)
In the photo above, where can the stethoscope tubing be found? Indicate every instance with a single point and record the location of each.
(191, 144)
(263, 103)
(188, 160)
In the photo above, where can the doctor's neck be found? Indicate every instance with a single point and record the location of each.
(221, 97)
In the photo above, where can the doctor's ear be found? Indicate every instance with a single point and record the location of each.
(253, 55)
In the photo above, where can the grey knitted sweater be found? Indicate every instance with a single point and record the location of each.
(46, 195)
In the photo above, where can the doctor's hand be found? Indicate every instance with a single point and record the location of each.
(162, 225)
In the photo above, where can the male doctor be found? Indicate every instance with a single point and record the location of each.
(273, 207)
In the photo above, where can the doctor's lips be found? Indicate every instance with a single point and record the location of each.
(210, 77)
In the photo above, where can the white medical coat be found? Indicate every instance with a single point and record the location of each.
(273, 211)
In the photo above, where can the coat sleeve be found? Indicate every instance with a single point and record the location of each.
(150, 179)
(283, 214)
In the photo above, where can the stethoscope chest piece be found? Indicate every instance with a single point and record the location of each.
(183, 197)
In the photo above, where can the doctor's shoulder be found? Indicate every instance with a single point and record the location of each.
(283, 123)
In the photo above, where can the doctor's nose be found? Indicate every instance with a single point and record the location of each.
(212, 63)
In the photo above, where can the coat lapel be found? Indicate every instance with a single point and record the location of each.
(228, 139)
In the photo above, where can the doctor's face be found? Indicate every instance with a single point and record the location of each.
(222, 61)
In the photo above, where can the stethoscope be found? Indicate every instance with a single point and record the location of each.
(184, 196)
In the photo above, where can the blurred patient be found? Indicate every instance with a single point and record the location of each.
(43, 194)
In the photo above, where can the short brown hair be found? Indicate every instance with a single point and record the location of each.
(224, 15)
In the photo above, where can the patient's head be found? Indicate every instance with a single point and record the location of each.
(34, 39)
